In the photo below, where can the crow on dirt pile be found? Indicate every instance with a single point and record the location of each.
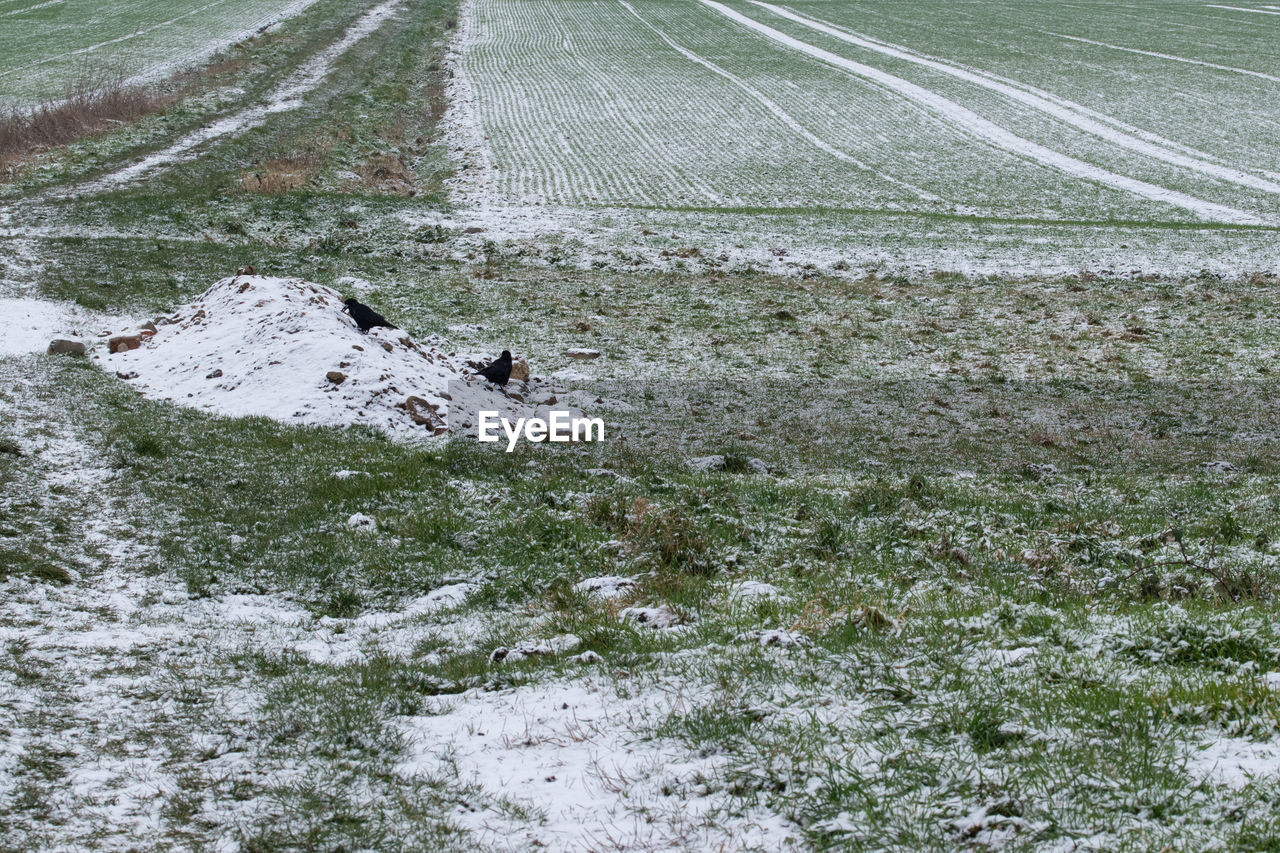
(366, 318)
(499, 371)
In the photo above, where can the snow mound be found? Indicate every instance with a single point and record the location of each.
(283, 348)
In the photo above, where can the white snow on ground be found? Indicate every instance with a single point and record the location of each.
(104, 644)
(1235, 761)
(117, 650)
(752, 589)
(994, 134)
(589, 238)
(1241, 9)
(254, 345)
(27, 9)
(460, 124)
(606, 586)
(612, 237)
(29, 324)
(287, 96)
(570, 753)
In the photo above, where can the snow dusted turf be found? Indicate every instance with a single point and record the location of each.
(285, 97)
(46, 46)
(883, 555)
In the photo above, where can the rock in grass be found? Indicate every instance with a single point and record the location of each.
(124, 343)
(535, 648)
(360, 521)
(519, 370)
(579, 352)
(703, 464)
(425, 413)
(733, 464)
(66, 346)
(775, 637)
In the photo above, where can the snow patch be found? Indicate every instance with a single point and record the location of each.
(568, 754)
(753, 589)
(1234, 761)
(30, 324)
(606, 586)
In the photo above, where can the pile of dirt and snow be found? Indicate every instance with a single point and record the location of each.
(284, 349)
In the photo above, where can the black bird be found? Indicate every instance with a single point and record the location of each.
(499, 371)
(366, 318)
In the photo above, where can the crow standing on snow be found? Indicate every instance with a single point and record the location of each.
(366, 318)
(499, 371)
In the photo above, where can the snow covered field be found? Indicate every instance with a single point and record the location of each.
(46, 46)
(750, 110)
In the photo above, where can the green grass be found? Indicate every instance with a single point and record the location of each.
(896, 712)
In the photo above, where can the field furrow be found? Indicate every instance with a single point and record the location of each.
(286, 96)
(600, 93)
(779, 113)
(1260, 75)
(1264, 11)
(812, 105)
(1081, 117)
(996, 135)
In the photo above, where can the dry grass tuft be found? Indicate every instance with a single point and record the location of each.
(91, 105)
(387, 173)
(285, 174)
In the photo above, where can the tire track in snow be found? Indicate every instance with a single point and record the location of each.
(286, 97)
(1077, 115)
(1262, 11)
(32, 8)
(1000, 137)
(778, 112)
(1169, 56)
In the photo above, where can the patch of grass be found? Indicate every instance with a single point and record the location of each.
(31, 566)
